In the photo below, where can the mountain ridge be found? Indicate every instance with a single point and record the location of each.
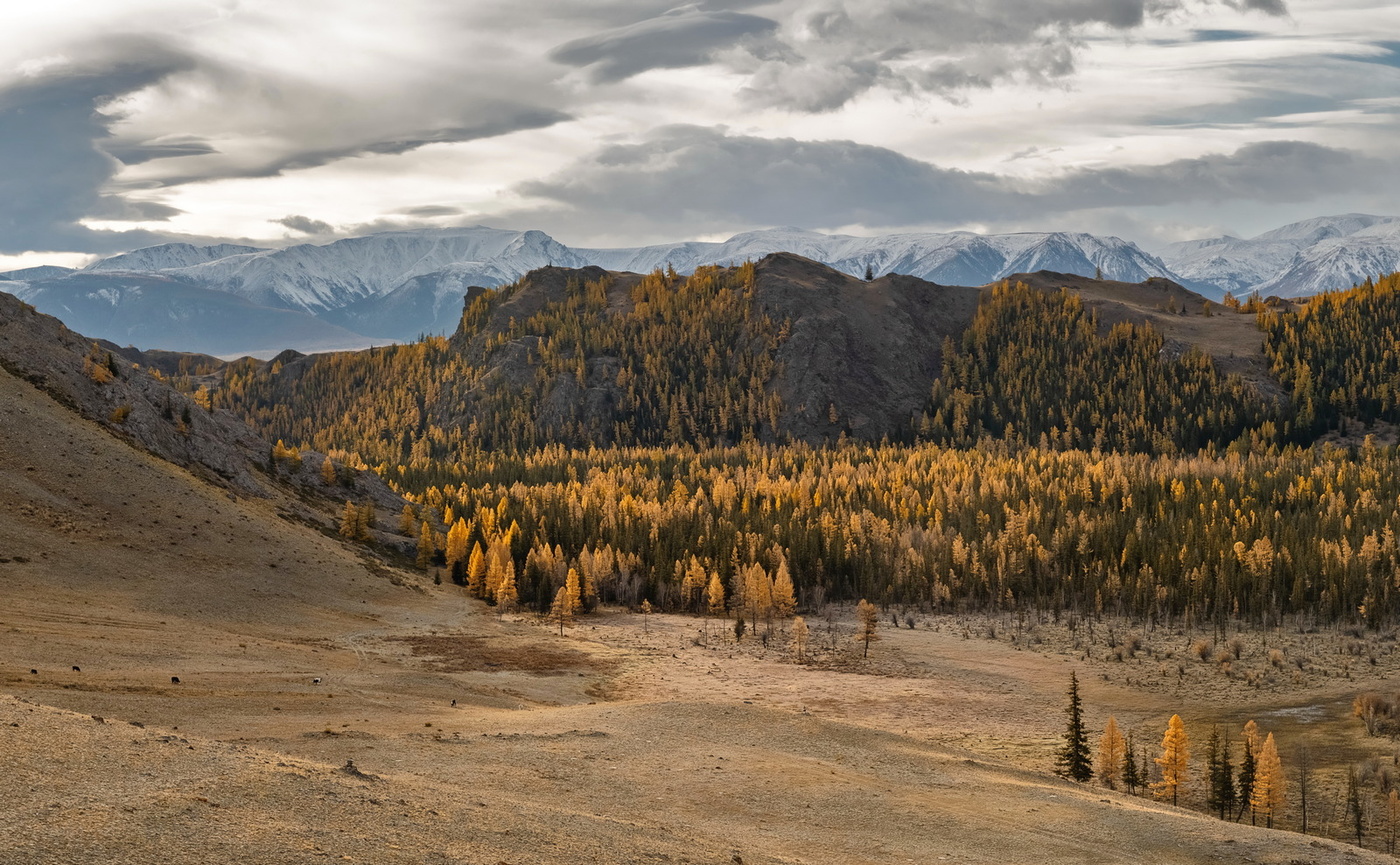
(393, 286)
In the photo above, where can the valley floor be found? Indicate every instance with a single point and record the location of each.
(441, 733)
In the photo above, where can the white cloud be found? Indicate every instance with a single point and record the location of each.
(221, 118)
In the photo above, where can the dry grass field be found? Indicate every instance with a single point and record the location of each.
(439, 732)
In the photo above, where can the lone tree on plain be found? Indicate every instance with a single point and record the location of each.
(1074, 761)
(867, 619)
(1111, 753)
(563, 609)
(646, 617)
(1176, 771)
(799, 637)
(869, 273)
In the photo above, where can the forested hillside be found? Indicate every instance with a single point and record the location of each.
(1339, 355)
(1038, 367)
(661, 435)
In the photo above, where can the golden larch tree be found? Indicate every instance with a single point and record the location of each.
(425, 545)
(1176, 771)
(507, 596)
(799, 637)
(350, 522)
(1267, 797)
(408, 521)
(1112, 750)
(784, 597)
(364, 521)
(476, 572)
(573, 586)
(563, 609)
(496, 558)
(867, 620)
(457, 542)
(714, 595)
(328, 472)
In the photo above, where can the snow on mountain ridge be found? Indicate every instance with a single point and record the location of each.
(167, 256)
(1295, 260)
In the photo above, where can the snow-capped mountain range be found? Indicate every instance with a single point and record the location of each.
(395, 285)
(1297, 260)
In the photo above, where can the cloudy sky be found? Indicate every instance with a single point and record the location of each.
(619, 122)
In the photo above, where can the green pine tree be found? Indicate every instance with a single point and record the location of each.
(1221, 773)
(1074, 761)
(1131, 770)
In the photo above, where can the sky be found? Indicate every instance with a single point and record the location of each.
(126, 123)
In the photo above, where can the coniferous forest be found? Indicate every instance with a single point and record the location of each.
(629, 430)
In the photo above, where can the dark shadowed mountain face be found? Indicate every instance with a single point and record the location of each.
(785, 349)
(860, 356)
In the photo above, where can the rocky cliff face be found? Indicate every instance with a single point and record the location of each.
(860, 356)
(104, 385)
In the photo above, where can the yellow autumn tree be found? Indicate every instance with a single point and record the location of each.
(575, 589)
(693, 584)
(1267, 797)
(350, 522)
(1111, 753)
(425, 544)
(328, 471)
(799, 637)
(507, 596)
(496, 558)
(457, 542)
(364, 521)
(1176, 771)
(563, 609)
(714, 595)
(784, 596)
(867, 620)
(758, 593)
(476, 572)
(408, 521)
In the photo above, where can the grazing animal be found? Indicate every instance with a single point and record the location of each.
(316, 681)
(174, 680)
(76, 670)
(454, 702)
(33, 672)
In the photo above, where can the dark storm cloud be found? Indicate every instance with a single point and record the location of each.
(688, 36)
(706, 179)
(304, 224)
(1267, 171)
(498, 119)
(51, 126)
(686, 170)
